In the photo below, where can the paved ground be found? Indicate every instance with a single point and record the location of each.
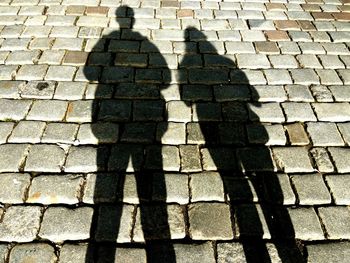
(174, 131)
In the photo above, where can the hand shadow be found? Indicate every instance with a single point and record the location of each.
(222, 99)
(128, 110)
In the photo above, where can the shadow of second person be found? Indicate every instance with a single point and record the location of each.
(128, 120)
(233, 142)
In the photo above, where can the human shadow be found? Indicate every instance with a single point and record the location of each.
(222, 102)
(128, 120)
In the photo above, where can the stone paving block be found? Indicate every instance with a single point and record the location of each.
(278, 189)
(20, 224)
(85, 159)
(231, 92)
(336, 221)
(248, 162)
(266, 134)
(4, 251)
(237, 47)
(5, 131)
(61, 224)
(171, 133)
(170, 160)
(38, 89)
(178, 111)
(251, 222)
(335, 49)
(16, 185)
(289, 47)
(299, 93)
(308, 61)
(190, 158)
(70, 90)
(22, 57)
(95, 133)
(324, 134)
(292, 159)
(158, 222)
(27, 131)
(296, 111)
(230, 252)
(266, 112)
(51, 57)
(218, 159)
(340, 93)
(210, 221)
(297, 134)
(338, 252)
(31, 72)
(114, 223)
(14, 109)
(77, 253)
(68, 43)
(344, 129)
(7, 72)
(186, 253)
(322, 160)
(338, 184)
(12, 156)
(239, 189)
(119, 158)
(206, 187)
(331, 62)
(12, 44)
(82, 111)
(305, 223)
(277, 76)
(321, 93)
(328, 77)
(59, 133)
(339, 112)
(340, 157)
(47, 110)
(304, 76)
(344, 75)
(45, 158)
(55, 189)
(311, 189)
(283, 61)
(252, 61)
(60, 73)
(176, 188)
(36, 252)
(101, 187)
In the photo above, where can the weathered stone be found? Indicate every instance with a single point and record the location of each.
(210, 221)
(16, 185)
(159, 222)
(33, 253)
(53, 189)
(60, 223)
(20, 224)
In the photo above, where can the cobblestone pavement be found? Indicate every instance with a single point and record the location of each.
(174, 131)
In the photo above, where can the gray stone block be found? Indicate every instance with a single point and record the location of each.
(60, 224)
(20, 224)
(206, 187)
(336, 220)
(311, 189)
(337, 252)
(16, 185)
(339, 185)
(38, 252)
(55, 189)
(12, 156)
(45, 158)
(210, 221)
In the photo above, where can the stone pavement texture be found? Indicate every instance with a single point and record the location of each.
(174, 131)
